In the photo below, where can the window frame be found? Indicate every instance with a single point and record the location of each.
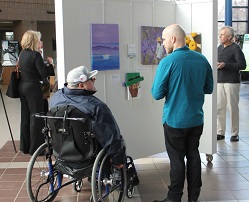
(237, 21)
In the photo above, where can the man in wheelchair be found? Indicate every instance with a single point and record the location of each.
(82, 140)
(79, 92)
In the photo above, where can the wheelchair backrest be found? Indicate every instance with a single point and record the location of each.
(72, 140)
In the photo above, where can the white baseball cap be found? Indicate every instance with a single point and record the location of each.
(80, 75)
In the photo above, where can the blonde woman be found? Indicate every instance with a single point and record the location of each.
(33, 70)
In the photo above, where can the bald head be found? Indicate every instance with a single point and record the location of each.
(173, 37)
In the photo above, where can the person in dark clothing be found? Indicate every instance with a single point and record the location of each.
(33, 70)
(46, 82)
(231, 60)
(79, 92)
(182, 79)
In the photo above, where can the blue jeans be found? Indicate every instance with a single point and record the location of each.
(181, 143)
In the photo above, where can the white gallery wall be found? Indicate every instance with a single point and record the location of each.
(139, 120)
(201, 17)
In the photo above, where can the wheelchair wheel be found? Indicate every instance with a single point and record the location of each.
(78, 185)
(41, 182)
(108, 182)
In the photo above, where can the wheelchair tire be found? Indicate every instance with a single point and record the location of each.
(78, 185)
(38, 175)
(108, 183)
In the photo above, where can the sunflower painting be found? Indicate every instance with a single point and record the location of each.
(150, 38)
(193, 41)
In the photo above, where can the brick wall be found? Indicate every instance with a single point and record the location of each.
(37, 10)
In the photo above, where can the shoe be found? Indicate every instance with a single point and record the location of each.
(24, 152)
(234, 138)
(165, 200)
(220, 137)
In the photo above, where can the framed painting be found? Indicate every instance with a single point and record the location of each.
(105, 47)
(193, 41)
(152, 50)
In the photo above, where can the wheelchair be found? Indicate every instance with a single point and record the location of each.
(70, 149)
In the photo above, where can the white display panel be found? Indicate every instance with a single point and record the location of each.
(140, 119)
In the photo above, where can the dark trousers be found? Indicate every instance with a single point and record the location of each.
(45, 101)
(181, 143)
(30, 130)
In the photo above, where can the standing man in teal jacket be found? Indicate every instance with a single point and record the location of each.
(182, 79)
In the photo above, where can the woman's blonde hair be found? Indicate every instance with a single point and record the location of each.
(30, 40)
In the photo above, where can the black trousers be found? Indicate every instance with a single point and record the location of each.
(30, 130)
(181, 143)
(45, 104)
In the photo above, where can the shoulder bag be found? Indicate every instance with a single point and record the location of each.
(12, 90)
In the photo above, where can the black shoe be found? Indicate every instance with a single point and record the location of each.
(165, 200)
(220, 137)
(234, 138)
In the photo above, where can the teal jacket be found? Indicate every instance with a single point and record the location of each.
(183, 78)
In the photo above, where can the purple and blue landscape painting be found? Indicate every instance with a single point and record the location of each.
(105, 46)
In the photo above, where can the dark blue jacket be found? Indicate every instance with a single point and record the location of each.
(104, 125)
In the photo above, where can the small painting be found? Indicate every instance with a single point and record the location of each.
(133, 85)
(105, 47)
(152, 50)
(193, 41)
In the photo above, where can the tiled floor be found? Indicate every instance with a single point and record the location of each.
(226, 178)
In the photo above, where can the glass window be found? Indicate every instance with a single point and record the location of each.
(240, 14)
(220, 25)
(240, 3)
(239, 27)
(9, 36)
(221, 10)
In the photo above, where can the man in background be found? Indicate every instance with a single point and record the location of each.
(231, 60)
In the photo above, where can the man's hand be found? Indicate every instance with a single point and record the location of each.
(220, 65)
